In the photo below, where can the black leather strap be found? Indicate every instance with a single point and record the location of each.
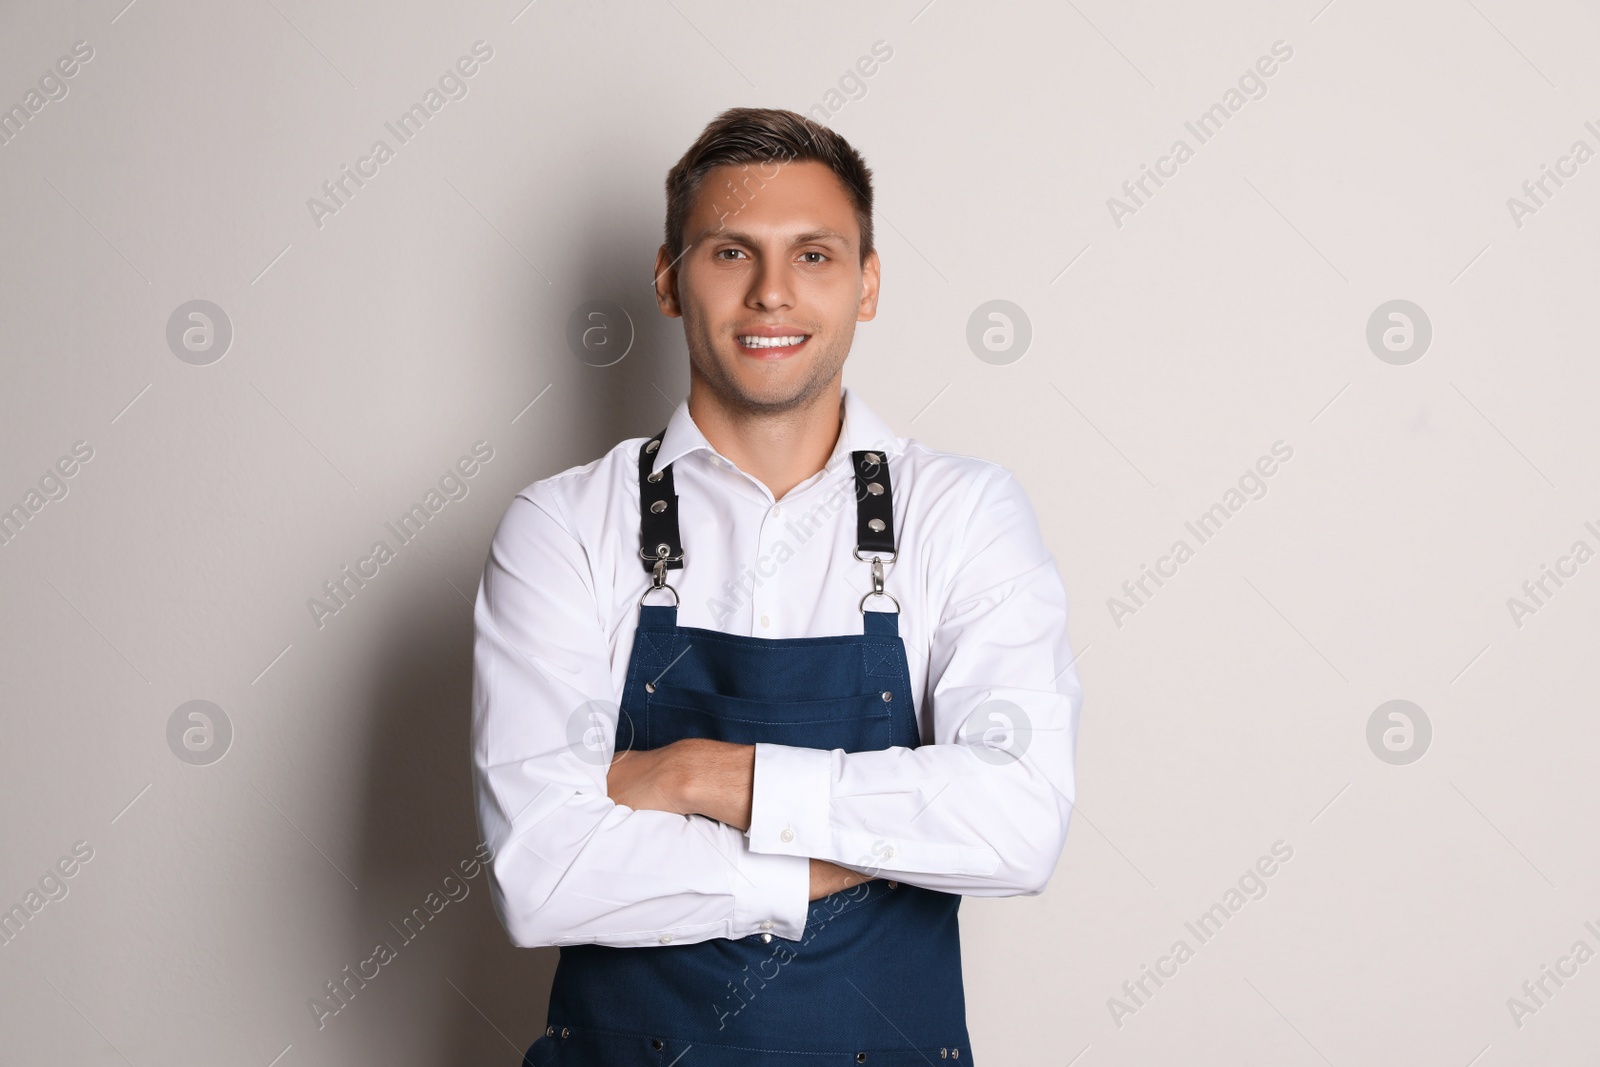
(874, 505)
(658, 510)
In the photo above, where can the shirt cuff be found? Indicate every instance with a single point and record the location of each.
(790, 799)
(771, 894)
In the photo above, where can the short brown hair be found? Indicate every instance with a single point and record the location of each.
(745, 135)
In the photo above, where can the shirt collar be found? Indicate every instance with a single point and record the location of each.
(863, 430)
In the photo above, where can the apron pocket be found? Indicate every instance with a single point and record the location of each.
(853, 723)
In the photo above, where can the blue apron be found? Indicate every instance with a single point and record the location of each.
(876, 976)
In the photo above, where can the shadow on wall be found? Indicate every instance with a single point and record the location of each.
(420, 821)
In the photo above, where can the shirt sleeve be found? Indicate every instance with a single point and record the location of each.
(570, 865)
(983, 809)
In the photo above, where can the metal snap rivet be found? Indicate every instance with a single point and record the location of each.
(955, 1054)
(653, 476)
(875, 525)
(944, 1054)
(659, 506)
(565, 1031)
(649, 687)
(549, 1031)
(652, 446)
(887, 696)
(656, 1044)
(874, 488)
(861, 1057)
(766, 939)
(894, 885)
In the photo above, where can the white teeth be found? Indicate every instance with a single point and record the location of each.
(771, 342)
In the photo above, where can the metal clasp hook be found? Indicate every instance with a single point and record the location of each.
(877, 584)
(658, 575)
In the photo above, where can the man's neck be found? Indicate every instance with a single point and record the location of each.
(781, 450)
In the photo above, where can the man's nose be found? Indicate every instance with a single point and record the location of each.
(772, 285)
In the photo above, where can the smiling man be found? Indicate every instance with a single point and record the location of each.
(759, 699)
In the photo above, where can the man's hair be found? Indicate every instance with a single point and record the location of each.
(745, 135)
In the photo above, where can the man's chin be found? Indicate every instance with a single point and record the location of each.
(758, 394)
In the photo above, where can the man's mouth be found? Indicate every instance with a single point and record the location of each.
(768, 343)
(763, 347)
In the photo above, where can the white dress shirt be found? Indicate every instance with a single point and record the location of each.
(980, 809)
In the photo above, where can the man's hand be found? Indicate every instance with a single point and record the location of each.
(694, 776)
(653, 780)
(831, 878)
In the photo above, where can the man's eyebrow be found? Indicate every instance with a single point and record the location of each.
(809, 236)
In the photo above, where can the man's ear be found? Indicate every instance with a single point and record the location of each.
(870, 276)
(667, 284)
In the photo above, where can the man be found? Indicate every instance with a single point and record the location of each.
(757, 700)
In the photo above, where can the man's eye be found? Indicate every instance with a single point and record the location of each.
(733, 250)
(819, 254)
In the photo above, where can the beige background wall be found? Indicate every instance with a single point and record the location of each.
(1172, 346)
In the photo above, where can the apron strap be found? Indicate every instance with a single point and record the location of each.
(658, 511)
(874, 524)
(661, 546)
(878, 623)
(874, 506)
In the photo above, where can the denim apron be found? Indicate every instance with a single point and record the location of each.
(876, 976)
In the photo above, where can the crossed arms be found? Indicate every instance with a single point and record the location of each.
(699, 776)
(704, 839)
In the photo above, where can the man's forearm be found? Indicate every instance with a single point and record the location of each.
(715, 779)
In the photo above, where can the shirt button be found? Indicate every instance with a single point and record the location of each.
(766, 924)
(666, 939)
(765, 622)
(776, 511)
(787, 835)
(888, 852)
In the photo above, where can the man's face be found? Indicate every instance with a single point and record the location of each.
(772, 255)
